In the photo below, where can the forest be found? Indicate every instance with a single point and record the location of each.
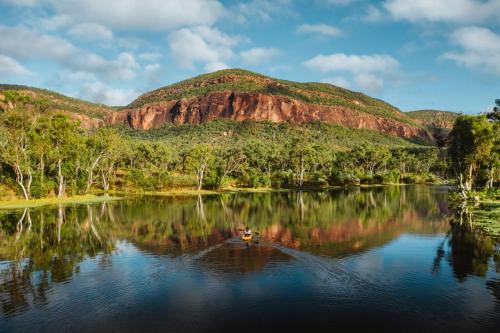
(48, 154)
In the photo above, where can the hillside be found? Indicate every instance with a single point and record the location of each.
(90, 114)
(434, 118)
(240, 95)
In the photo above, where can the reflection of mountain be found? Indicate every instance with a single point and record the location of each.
(241, 258)
(55, 240)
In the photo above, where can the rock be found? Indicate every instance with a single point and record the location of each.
(241, 106)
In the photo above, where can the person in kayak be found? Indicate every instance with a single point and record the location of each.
(247, 232)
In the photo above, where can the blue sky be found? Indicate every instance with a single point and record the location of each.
(425, 54)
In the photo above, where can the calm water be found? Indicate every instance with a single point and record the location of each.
(377, 258)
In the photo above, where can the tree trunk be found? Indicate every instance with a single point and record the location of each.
(301, 173)
(90, 180)
(60, 191)
(20, 181)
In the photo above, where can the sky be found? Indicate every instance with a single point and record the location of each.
(425, 54)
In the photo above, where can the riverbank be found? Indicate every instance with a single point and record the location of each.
(100, 196)
(487, 218)
(77, 199)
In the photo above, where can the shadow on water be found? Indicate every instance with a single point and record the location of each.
(42, 249)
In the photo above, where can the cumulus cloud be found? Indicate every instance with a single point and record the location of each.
(337, 81)
(458, 11)
(101, 93)
(202, 45)
(24, 43)
(258, 55)
(369, 71)
(353, 63)
(56, 22)
(9, 66)
(480, 49)
(91, 31)
(152, 73)
(263, 10)
(153, 15)
(321, 28)
(150, 56)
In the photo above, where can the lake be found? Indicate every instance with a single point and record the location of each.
(376, 258)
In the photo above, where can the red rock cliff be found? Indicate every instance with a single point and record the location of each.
(256, 106)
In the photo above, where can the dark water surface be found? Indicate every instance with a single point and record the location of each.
(381, 258)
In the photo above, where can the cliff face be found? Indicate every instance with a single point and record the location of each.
(241, 106)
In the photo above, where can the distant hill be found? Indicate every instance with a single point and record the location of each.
(90, 114)
(434, 118)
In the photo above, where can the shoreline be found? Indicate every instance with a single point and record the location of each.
(113, 195)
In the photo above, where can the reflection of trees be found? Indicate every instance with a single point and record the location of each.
(336, 222)
(51, 242)
(470, 251)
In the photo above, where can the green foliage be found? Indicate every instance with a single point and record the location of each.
(238, 80)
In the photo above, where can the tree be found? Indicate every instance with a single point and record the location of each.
(63, 135)
(470, 145)
(17, 150)
(303, 155)
(197, 160)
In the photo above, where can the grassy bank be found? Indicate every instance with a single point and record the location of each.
(487, 218)
(77, 199)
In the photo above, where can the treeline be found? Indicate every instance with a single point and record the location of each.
(48, 154)
(474, 150)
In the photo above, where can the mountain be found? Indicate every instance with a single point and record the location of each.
(241, 95)
(434, 118)
(438, 123)
(90, 114)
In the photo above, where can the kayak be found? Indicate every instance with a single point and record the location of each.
(246, 238)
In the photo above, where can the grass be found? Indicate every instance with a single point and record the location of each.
(487, 218)
(194, 192)
(78, 199)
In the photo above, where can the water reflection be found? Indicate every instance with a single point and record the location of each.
(44, 247)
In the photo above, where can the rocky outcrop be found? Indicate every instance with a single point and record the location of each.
(258, 107)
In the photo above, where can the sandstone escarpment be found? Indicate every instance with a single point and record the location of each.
(241, 106)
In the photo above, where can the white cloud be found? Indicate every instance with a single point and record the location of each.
(24, 43)
(353, 63)
(369, 82)
(100, 93)
(258, 55)
(152, 73)
(91, 31)
(373, 14)
(323, 29)
(263, 10)
(369, 71)
(337, 81)
(202, 45)
(153, 15)
(9, 66)
(458, 11)
(56, 22)
(150, 56)
(481, 49)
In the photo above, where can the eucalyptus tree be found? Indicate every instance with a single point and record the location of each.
(470, 145)
(17, 145)
(198, 159)
(64, 135)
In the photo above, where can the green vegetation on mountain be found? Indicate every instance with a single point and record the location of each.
(239, 80)
(44, 100)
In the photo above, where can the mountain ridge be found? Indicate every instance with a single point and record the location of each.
(239, 95)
